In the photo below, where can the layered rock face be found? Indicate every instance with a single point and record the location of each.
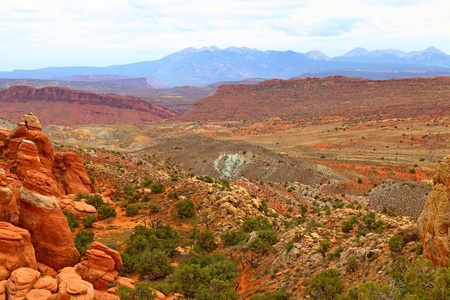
(434, 221)
(34, 179)
(63, 106)
(100, 266)
(16, 250)
(36, 164)
(50, 232)
(331, 96)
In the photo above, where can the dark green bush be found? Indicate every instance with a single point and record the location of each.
(396, 243)
(232, 237)
(73, 223)
(105, 212)
(132, 210)
(141, 291)
(254, 224)
(326, 285)
(205, 241)
(88, 221)
(83, 239)
(207, 277)
(185, 208)
(157, 187)
(148, 251)
(154, 208)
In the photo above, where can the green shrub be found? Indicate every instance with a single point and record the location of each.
(263, 241)
(185, 208)
(141, 291)
(94, 200)
(154, 208)
(207, 277)
(157, 187)
(132, 210)
(289, 247)
(396, 243)
(324, 245)
(352, 263)
(232, 237)
(105, 212)
(88, 221)
(147, 251)
(83, 240)
(162, 287)
(277, 295)
(254, 224)
(205, 241)
(207, 179)
(326, 285)
(73, 223)
(147, 182)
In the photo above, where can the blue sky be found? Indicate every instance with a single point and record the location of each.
(43, 33)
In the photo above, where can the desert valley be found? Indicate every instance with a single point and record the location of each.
(302, 188)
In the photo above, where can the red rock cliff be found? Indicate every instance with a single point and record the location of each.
(64, 106)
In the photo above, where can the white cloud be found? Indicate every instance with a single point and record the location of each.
(98, 32)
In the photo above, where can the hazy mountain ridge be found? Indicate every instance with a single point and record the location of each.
(207, 65)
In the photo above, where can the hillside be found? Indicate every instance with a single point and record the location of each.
(65, 106)
(332, 96)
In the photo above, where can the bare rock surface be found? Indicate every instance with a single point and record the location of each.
(16, 249)
(20, 283)
(100, 266)
(434, 221)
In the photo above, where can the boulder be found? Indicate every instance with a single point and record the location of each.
(20, 283)
(100, 266)
(16, 250)
(66, 274)
(46, 283)
(8, 205)
(434, 221)
(3, 289)
(30, 150)
(78, 289)
(51, 238)
(71, 174)
(46, 270)
(32, 134)
(108, 296)
(78, 208)
(37, 294)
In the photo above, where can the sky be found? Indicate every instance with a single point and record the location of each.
(36, 34)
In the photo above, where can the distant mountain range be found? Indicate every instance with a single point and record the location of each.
(200, 67)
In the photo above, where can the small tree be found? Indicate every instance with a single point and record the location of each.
(141, 291)
(88, 221)
(132, 210)
(326, 285)
(324, 245)
(205, 241)
(71, 220)
(185, 208)
(105, 212)
(83, 239)
(396, 243)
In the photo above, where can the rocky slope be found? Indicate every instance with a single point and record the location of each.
(309, 229)
(434, 222)
(332, 96)
(64, 106)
